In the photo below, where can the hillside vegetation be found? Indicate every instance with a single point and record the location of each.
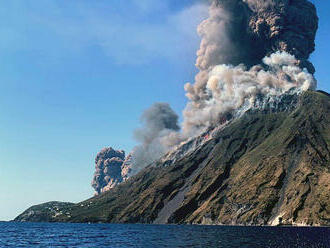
(265, 168)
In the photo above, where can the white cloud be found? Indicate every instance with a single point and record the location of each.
(129, 42)
(135, 33)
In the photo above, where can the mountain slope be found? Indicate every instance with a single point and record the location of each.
(266, 168)
(46, 212)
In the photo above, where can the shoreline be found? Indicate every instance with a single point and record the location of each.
(148, 224)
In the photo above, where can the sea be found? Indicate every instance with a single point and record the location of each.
(112, 235)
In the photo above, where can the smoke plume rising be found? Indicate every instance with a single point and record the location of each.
(158, 134)
(258, 5)
(107, 174)
(231, 88)
(248, 48)
(245, 50)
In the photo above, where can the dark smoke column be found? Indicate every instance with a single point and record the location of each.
(108, 169)
(244, 32)
(258, 28)
(285, 25)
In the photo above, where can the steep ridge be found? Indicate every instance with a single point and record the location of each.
(284, 179)
(268, 167)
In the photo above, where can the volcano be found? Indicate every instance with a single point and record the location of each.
(270, 166)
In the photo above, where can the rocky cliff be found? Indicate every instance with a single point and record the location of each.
(270, 166)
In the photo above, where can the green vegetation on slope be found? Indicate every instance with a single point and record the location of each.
(46, 212)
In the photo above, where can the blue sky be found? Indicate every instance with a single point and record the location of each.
(75, 77)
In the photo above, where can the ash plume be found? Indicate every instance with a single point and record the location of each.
(108, 169)
(232, 88)
(249, 47)
(158, 134)
(258, 5)
(126, 168)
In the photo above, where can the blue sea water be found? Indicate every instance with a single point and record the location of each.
(110, 235)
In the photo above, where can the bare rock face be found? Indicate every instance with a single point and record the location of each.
(258, 28)
(107, 174)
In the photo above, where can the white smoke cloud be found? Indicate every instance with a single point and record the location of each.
(223, 87)
(215, 48)
(260, 4)
(231, 88)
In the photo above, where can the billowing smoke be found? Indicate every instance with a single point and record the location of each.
(258, 5)
(235, 38)
(126, 168)
(231, 88)
(108, 163)
(158, 134)
(249, 48)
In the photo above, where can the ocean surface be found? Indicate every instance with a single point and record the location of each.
(108, 235)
